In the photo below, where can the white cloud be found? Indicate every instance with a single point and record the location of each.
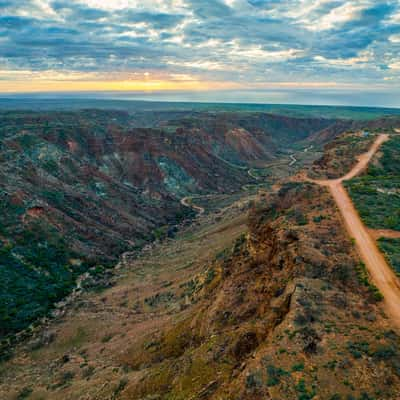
(202, 64)
(395, 38)
(395, 18)
(303, 9)
(395, 65)
(46, 75)
(40, 9)
(283, 40)
(361, 60)
(339, 16)
(159, 5)
(257, 53)
(239, 5)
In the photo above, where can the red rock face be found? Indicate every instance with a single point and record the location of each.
(106, 185)
(72, 145)
(17, 198)
(95, 172)
(244, 143)
(35, 212)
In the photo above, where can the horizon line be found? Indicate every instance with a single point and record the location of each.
(49, 96)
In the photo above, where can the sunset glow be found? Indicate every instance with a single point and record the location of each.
(197, 45)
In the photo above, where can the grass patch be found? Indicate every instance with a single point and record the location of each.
(274, 375)
(376, 195)
(391, 249)
(363, 278)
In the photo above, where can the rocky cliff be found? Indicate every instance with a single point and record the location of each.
(285, 315)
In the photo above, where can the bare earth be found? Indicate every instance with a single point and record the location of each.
(381, 273)
(384, 233)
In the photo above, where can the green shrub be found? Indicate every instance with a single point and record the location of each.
(24, 393)
(303, 392)
(363, 278)
(384, 352)
(106, 338)
(391, 249)
(274, 375)
(358, 349)
(121, 386)
(318, 218)
(298, 367)
(254, 380)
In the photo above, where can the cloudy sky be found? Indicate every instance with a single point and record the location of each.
(273, 50)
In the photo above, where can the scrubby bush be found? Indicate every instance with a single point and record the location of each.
(384, 352)
(254, 380)
(274, 375)
(358, 349)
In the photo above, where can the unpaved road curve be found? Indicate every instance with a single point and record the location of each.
(381, 273)
(186, 201)
(257, 178)
(293, 160)
(362, 163)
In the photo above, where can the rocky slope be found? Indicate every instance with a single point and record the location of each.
(285, 315)
(285, 312)
(77, 189)
(282, 309)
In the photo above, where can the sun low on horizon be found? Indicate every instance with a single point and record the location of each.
(210, 46)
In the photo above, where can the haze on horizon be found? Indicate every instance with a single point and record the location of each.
(294, 51)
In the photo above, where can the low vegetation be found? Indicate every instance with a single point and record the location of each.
(376, 196)
(377, 193)
(340, 155)
(252, 300)
(391, 249)
(36, 271)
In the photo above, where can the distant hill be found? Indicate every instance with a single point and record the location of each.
(58, 102)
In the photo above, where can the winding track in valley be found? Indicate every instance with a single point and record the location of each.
(293, 160)
(187, 202)
(381, 273)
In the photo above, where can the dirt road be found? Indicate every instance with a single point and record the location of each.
(362, 163)
(187, 202)
(293, 160)
(381, 273)
(257, 178)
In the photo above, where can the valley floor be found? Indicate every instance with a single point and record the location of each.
(85, 342)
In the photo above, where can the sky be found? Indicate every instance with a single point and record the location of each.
(282, 51)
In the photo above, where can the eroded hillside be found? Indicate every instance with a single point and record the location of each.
(286, 311)
(262, 296)
(77, 189)
(285, 315)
